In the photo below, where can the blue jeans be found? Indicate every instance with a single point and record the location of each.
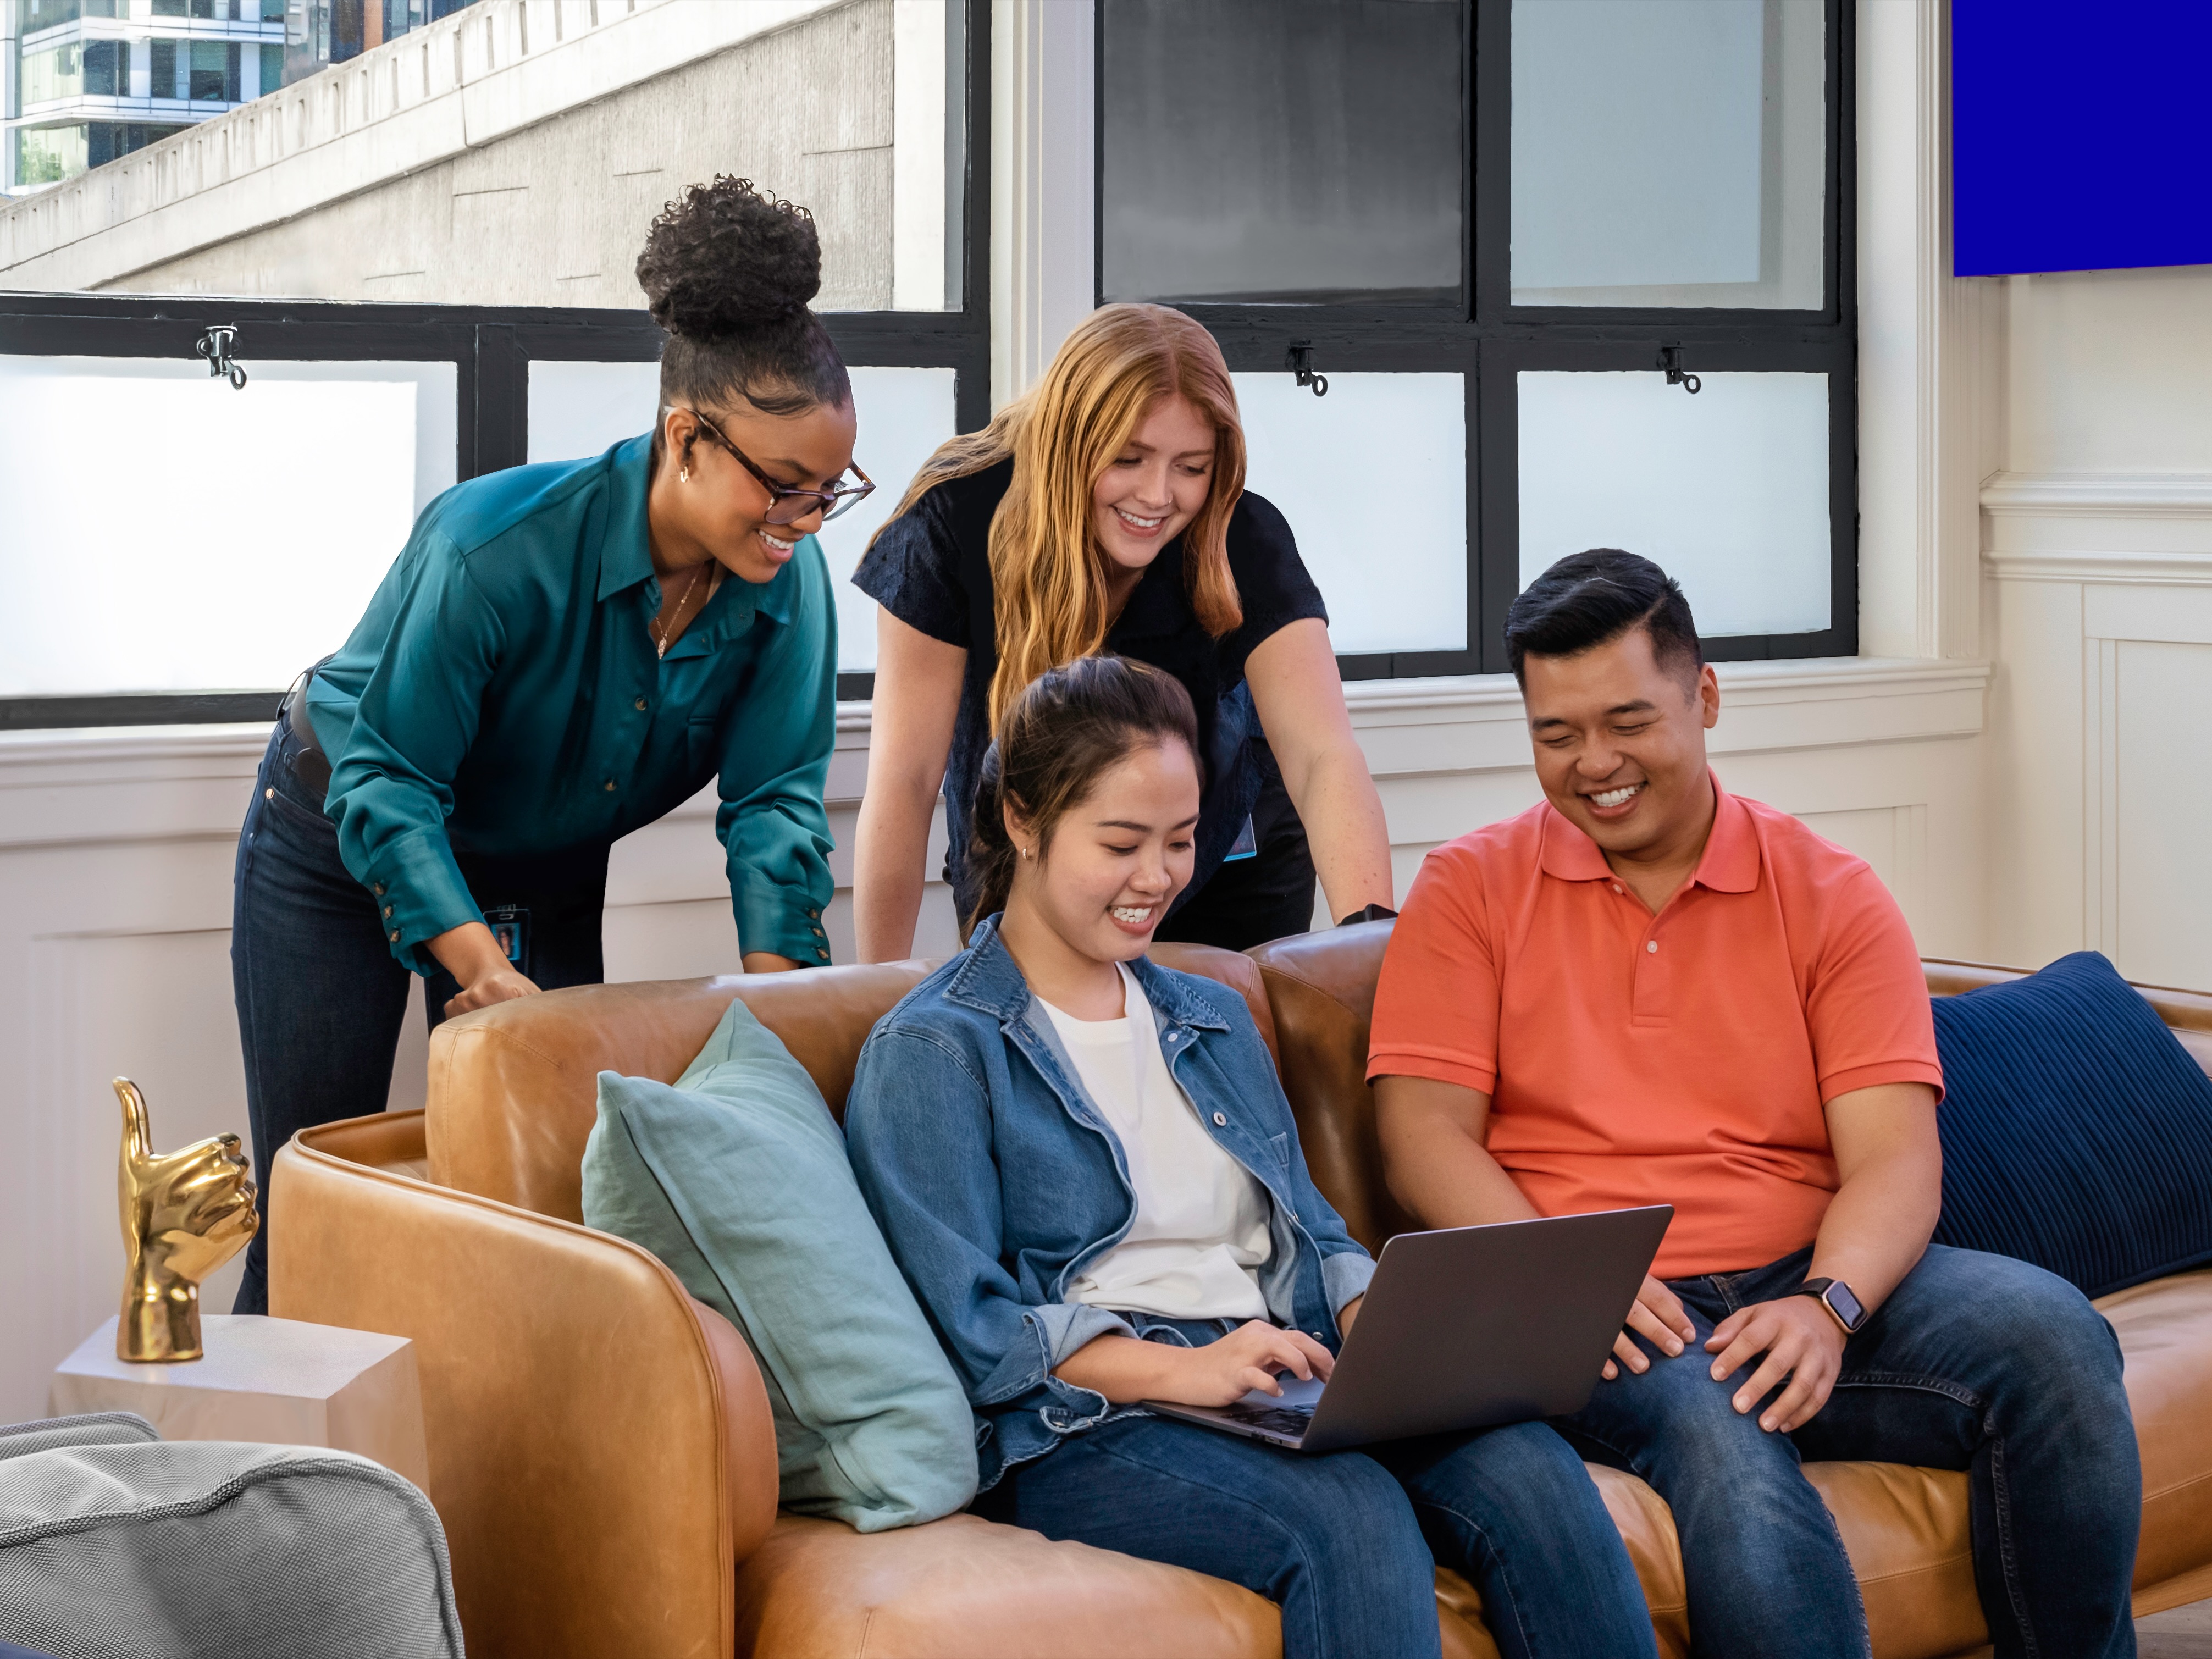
(1976, 1362)
(320, 997)
(1346, 1542)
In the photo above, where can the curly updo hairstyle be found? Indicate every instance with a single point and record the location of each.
(727, 270)
(1066, 727)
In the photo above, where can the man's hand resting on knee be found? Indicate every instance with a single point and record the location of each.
(1656, 1316)
(1800, 1341)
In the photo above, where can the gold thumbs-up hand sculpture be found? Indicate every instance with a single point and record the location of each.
(185, 1213)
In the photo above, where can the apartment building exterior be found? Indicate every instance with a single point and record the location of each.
(85, 81)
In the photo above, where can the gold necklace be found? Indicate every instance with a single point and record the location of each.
(660, 634)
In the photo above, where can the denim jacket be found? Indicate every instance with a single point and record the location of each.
(996, 1181)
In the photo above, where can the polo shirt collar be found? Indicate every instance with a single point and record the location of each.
(1729, 865)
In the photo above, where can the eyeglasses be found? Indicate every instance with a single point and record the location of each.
(786, 505)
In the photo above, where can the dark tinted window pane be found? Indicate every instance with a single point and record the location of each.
(1282, 149)
(165, 69)
(107, 68)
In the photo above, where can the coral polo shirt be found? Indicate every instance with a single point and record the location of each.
(1682, 1058)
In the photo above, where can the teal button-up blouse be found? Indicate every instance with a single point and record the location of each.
(503, 695)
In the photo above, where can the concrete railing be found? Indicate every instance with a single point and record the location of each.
(483, 73)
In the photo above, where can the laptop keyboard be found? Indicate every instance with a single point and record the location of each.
(1276, 1419)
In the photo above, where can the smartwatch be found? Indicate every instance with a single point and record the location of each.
(1835, 1296)
(1372, 912)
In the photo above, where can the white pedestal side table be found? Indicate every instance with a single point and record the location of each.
(279, 1380)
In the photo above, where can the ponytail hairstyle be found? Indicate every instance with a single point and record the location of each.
(1068, 725)
(1048, 571)
(727, 270)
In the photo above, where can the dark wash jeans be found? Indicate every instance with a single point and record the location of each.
(320, 998)
(1976, 1362)
(1346, 1542)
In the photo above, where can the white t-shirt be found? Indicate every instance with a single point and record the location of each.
(1202, 1228)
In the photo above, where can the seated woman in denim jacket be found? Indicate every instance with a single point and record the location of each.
(1088, 1172)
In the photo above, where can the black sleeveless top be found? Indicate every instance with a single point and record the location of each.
(931, 568)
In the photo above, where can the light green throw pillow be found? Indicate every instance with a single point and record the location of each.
(737, 1178)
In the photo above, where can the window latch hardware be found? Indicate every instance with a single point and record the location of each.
(1300, 363)
(214, 344)
(1670, 359)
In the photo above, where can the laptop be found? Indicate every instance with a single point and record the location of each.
(1463, 1328)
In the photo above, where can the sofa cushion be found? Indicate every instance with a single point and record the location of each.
(2077, 1132)
(736, 1177)
(2165, 1329)
(965, 1588)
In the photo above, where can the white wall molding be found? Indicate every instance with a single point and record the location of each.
(463, 82)
(2099, 495)
(2134, 529)
(1922, 342)
(1043, 233)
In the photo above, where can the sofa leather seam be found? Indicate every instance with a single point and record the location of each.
(2178, 1485)
(1915, 1572)
(1318, 989)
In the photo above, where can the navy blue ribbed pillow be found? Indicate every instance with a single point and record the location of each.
(2077, 1132)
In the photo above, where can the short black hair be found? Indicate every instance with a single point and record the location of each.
(1590, 599)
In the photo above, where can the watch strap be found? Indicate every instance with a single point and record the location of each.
(1818, 1290)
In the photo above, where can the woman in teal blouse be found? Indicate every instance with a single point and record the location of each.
(561, 654)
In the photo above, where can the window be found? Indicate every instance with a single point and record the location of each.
(354, 415)
(213, 71)
(97, 68)
(1494, 226)
(164, 57)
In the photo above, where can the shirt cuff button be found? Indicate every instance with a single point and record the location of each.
(1221, 1121)
(387, 913)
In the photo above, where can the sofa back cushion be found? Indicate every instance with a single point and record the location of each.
(514, 1087)
(2077, 1131)
(1321, 987)
(736, 1178)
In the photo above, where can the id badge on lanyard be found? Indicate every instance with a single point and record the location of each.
(510, 930)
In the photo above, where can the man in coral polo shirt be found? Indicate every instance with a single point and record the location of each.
(1647, 990)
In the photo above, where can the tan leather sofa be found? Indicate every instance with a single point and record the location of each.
(600, 1447)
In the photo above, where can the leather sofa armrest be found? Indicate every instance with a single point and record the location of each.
(600, 1457)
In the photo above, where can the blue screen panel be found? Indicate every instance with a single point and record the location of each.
(2080, 135)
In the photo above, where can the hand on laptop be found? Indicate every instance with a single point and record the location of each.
(1656, 1316)
(1247, 1359)
(1796, 1334)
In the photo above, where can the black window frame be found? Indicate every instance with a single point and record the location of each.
(1487, 339)
(491, 349)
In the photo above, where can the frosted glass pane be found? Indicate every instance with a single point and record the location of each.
(1727, 490)
(579, 409)
(1289, 150)
(1395, 577)
(1668, 152)
(163, 532)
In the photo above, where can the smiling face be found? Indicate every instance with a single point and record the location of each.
(1156, 485)
(1100, 884)
(720, 511)
(1620, 745)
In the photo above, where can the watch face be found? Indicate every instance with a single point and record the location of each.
(1839, 1296)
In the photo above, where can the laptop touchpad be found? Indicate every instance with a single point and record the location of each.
(1298, 1394)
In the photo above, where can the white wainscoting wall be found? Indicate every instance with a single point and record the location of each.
(2099, 607)
(116, 849)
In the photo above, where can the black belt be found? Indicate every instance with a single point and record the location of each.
(308, 762)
